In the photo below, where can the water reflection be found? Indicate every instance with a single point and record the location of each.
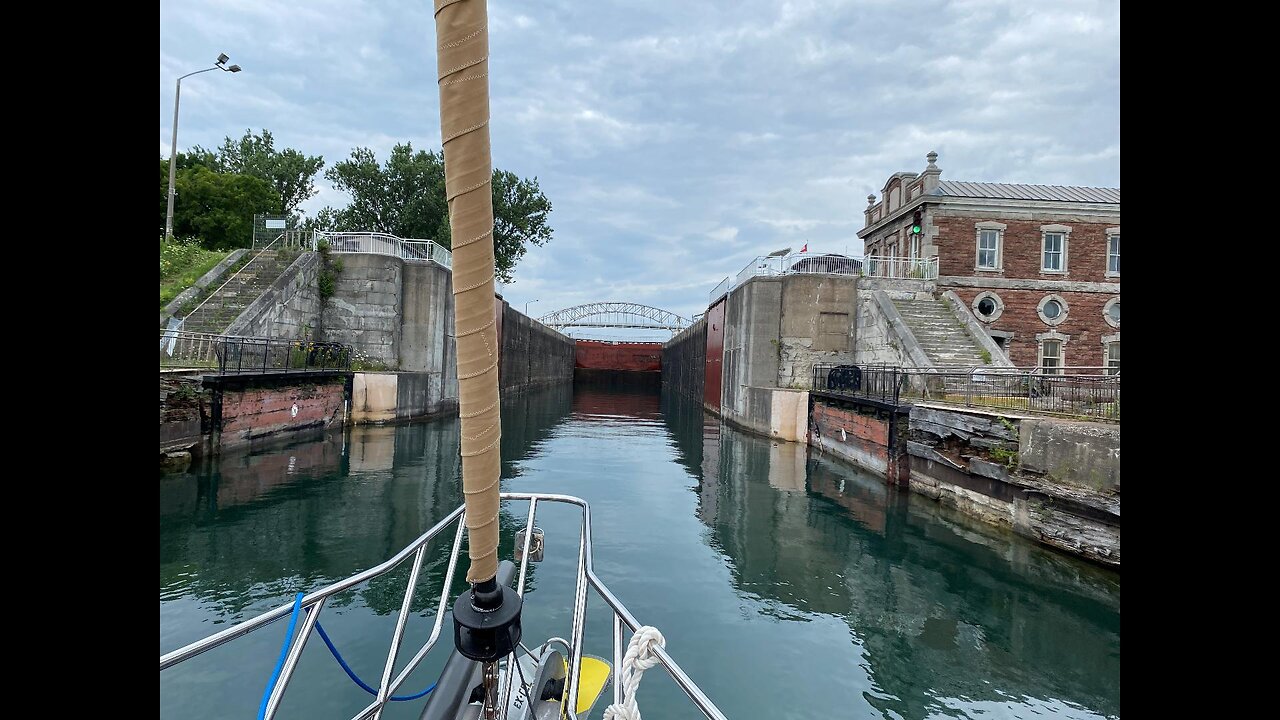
(946, 613)
(848, 598)
(345, 501)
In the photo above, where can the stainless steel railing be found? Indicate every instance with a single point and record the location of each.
(313, 604)
(384, 244)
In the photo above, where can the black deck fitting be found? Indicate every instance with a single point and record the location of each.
(486, 621)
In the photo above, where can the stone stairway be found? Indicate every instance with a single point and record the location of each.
(940, 334)
(220, 310)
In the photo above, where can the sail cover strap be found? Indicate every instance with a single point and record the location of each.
(462, 55)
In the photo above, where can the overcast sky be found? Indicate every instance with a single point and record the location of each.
(676, 139)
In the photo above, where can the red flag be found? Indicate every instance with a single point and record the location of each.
(805, 248)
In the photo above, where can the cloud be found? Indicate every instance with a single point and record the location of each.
(677, 140)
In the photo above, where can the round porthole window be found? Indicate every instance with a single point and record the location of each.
(1111, 312)
(987, 306)
(1052, 309)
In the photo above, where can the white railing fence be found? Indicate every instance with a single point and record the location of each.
(901, 267)
(880, 267)
(385, 244)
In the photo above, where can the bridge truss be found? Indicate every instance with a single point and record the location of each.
(615, 315)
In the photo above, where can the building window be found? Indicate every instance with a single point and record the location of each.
(1051, 357)
(1113, 255)
(1052, 252)
(990, 237)
(1053, 248)
(988, 245)
(1113, 358)
(1111, 312)
(1052, 310)
(987, 306)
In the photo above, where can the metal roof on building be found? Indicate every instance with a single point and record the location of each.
(1010, 191)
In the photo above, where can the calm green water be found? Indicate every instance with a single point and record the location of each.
(788, 585)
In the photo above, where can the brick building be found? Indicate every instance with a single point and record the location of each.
(1038, 265)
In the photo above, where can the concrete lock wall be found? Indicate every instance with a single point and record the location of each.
(684, 359)
(290, 308)
(1077, 453)
(533, 354)
(365, 309)
(428, 348)
(818, 314)
(775, 330)
(753, 316)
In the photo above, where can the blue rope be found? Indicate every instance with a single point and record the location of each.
(284, 651)
(351, 674)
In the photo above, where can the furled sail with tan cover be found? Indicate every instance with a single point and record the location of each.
(462, 53)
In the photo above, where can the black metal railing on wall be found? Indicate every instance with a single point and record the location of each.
(230, 355)
(1088, 393)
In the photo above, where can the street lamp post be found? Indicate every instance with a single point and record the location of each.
(526, 307)
(173, 147)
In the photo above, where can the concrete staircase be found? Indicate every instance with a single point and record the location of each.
(940, 334)
(220, 310)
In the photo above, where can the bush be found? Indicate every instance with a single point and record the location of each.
(182, 263)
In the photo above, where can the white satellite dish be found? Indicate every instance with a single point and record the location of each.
(779, 253)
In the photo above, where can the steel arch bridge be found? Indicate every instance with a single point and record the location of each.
(615, 315)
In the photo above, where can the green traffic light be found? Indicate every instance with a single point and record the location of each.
(915, 229)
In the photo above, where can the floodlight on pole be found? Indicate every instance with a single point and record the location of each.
(173, 146)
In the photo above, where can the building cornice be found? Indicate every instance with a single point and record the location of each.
(1028, 284)
(1104, 211)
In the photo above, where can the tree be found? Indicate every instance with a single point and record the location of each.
(186, 161)
(290, 172)
(218, 208)
(406, 197)
(520, 213)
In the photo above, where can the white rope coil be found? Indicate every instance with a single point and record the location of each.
(640, 657)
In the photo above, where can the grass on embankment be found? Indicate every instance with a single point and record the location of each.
(182, 263)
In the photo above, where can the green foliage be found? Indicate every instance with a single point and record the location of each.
(1005, 456)
(291, 173)
(361, 362)
(190, 304)
(216, 207)
(306, 353)
(185, 392)
(520, 213)
(327, 281)
(182, 263)
(986, 356)
(406, 197)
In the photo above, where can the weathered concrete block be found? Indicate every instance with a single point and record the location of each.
(1079, 453)
(978, 466)
(373, 397)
